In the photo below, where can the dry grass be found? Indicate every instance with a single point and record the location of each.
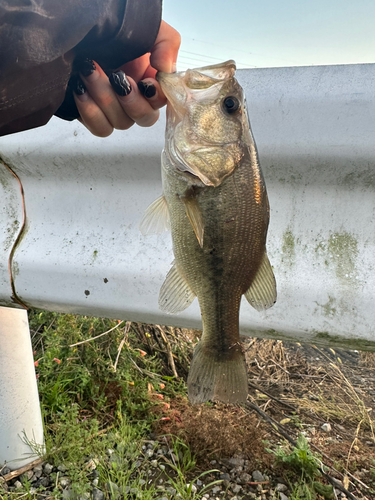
(300, 386)
(217, 431)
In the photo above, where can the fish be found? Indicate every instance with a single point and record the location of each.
(215, 203)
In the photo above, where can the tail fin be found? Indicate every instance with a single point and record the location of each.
(212, 379)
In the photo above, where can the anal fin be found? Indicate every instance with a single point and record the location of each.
(175, 294)
(262, 292)
(217, 379)
(156, 218)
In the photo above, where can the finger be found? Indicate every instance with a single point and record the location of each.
(91, 115)
(165, 50)
(134, 105)
(101, 91)
(151, 90)
(139, 68)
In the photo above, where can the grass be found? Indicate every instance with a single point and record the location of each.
(99, 400)
(108, 387)
(307, 470)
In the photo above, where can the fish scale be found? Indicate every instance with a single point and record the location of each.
(215, 195)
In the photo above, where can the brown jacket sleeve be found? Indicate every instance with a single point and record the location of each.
(40, 40)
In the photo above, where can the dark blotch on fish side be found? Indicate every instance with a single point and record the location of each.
(87, 293)
(120, 83)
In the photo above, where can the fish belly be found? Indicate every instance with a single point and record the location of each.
(235, 222)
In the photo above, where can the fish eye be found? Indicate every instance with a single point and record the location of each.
(231, 104)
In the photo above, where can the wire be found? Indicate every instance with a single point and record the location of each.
(240, 50)
(215, 58)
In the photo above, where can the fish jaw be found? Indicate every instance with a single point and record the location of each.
(177, 86)
(202, 137)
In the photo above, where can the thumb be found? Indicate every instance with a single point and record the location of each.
(165, 50)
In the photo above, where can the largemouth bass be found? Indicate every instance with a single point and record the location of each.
(216, 203)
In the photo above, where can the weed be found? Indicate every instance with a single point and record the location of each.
(307, 468)
(183, 463)
(300, 458)
(184, 459)
(302, 491)
(105, 385)
(185, 490)
(98, 384)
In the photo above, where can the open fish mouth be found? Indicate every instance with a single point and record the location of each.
(181, 86)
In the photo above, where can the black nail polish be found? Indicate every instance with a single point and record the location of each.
(77, 85)
(85, 66)
(120, 83)
(147, 89)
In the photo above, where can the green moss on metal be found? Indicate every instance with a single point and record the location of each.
(316, 337)
(320, 248)
(4, 182)
(328, 308)
(12, 230)
(343, 252)
(326, 338)
(288, 246)
(365, 178)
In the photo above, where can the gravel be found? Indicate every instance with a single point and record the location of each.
(236, 479)
(326, 427)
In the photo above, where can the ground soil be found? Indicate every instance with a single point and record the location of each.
(300, 388)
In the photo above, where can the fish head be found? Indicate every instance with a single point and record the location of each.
(207, 127)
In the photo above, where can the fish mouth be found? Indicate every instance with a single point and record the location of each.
(220, 71)
(178, 86)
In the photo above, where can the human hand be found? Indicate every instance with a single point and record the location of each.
(130, 95)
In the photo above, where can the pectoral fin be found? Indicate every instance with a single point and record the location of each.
(262, 291)
(156, 217)
(194, 213)
(175, 294)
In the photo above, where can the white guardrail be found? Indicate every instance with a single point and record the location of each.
(80, 249)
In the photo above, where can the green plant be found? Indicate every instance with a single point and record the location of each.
(94, 381)
(300, 458)
(187, 490)
(302, 491)
(307, 467)
(184, 458)
(325, 490)
(182, 464)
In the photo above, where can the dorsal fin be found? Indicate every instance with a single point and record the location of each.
(262, 291)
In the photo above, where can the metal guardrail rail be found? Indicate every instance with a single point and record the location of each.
(81, 250)
(70, 241)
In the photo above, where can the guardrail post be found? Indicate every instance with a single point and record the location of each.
(20, 415)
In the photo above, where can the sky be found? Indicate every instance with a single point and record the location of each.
(270, 33)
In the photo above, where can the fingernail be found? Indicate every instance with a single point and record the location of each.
(79, 87)
(85, 66)
(147, 89)
(174, 68)
(120, 83)
(76, 85)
